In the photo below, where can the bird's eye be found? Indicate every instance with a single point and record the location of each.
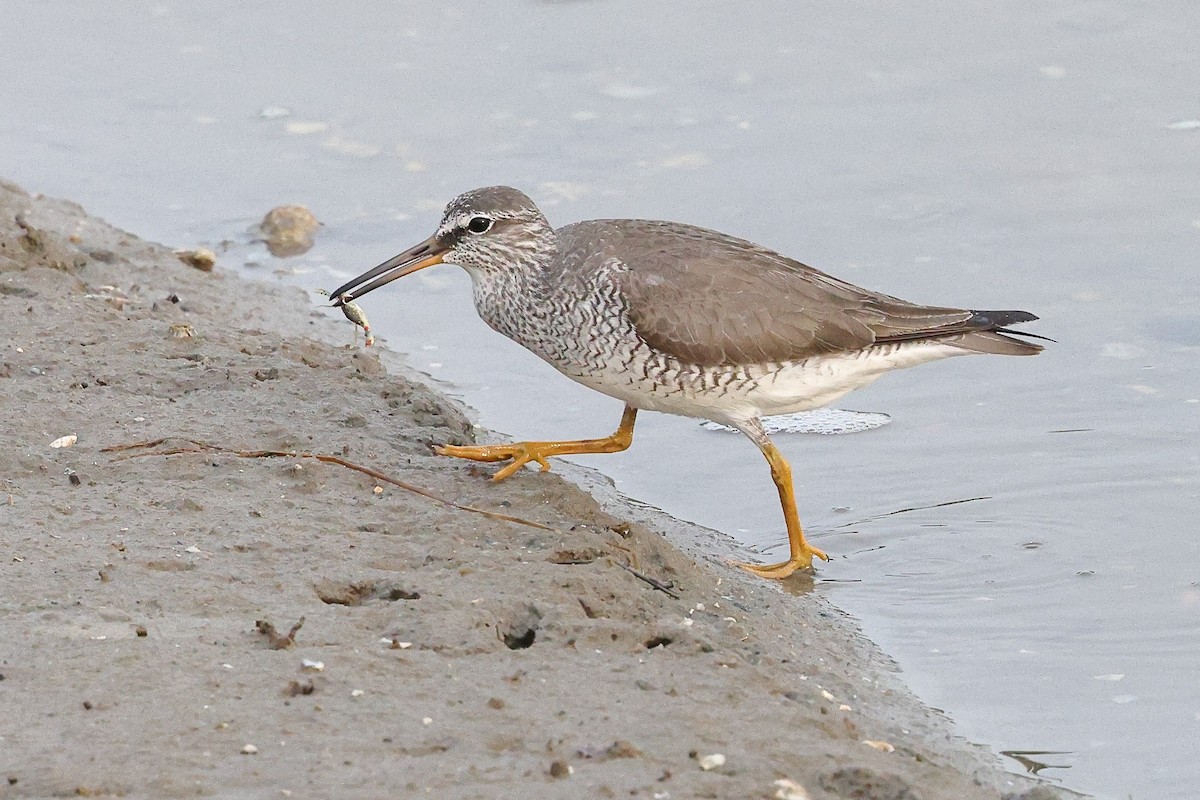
(479, 224)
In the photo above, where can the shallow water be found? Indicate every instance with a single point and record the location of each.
(1025, 155)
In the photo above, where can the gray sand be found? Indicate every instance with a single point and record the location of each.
(449, 653)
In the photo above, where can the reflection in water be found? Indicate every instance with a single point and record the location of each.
(798, 584)
(1034, 766)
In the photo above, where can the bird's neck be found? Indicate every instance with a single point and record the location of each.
(517, 298)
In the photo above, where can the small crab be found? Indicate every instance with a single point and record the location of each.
(354, 313)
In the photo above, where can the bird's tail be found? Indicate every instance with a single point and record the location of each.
(995, 337)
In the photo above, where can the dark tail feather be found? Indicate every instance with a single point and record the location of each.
(991, 320)
(996, 338)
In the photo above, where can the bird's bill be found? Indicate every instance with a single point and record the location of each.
(426, 254)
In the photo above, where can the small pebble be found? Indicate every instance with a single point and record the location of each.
(249, 750)
(886, 747)
(289, 230)
(790, 790)
(712, 761)
(201, 258)
(561, 769)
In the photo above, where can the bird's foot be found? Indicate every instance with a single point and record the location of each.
(520, 453)
(798, 561)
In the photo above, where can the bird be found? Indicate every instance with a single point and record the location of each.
(675, 318)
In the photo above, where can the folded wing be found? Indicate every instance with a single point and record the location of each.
(711, 299)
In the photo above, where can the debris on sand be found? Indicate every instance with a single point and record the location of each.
(201, 258)
(275, 640)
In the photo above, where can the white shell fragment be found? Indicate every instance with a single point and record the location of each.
(249, 750)
(712, 761)
(790, 790)
(312, 666)
(882, 746)
(64, 441)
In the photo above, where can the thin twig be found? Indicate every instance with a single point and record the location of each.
(654, 582)
(201, 447)
(914, 508)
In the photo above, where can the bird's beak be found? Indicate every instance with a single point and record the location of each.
(426, 254)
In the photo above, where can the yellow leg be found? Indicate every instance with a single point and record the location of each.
(801, 552)
(521, 453)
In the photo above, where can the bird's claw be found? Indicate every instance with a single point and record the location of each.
(520, 454)
(798, 561)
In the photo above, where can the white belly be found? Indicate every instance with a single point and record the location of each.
(763, 389)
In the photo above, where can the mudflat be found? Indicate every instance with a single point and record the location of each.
(201, 594)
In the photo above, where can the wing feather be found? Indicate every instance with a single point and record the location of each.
(711, 299)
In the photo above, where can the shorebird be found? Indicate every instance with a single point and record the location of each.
(670, 317)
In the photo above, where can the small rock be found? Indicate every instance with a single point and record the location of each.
(289, 230)
(790, 790)
(64, 441)
(712, 761)
(201, 258)
(249, 750)
(561, 769)
(886, 747)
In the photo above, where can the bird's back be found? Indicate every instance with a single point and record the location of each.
(708, 298)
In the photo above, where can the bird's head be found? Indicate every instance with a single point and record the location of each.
(484, 231)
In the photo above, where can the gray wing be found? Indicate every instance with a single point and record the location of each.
(710, 299)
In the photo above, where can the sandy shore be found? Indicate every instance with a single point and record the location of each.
(574, 652)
